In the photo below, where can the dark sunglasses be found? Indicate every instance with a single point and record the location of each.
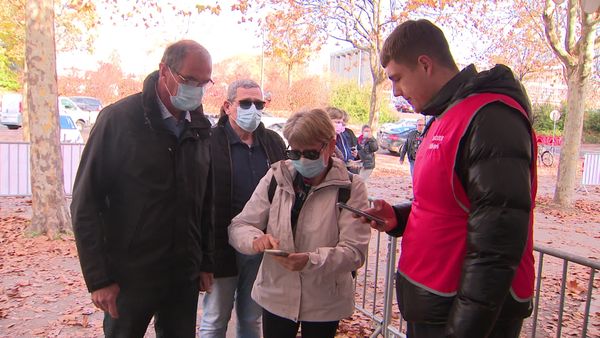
(246, 104)
(308, 154)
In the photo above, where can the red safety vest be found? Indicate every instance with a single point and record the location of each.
(434, 241)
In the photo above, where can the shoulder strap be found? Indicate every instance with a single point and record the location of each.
(272, 187)
(344, 192)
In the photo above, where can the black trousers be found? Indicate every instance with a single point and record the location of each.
(173, 305)
(279, 327)
(502, 328)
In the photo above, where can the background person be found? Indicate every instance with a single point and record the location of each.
(243, 150)
(413, 140)
(466, 264)
(345, 139)
(142, 201)
(313, 286)
(367, 146)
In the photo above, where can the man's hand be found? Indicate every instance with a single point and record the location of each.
(293, 262)
(382, 210)
(263, 242)
(106, 299)
(206, 281)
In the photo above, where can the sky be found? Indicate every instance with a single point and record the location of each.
(140, 49)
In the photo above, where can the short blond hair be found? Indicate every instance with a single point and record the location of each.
(305, 127)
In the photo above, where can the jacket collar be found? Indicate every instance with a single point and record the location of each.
(499, 79)
(444, 97)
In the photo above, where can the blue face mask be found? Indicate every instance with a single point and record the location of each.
(309, 168)
(188, 98)
(248, 119)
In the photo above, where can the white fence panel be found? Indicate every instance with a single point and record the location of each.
(591, 169)
(71, 154)
(14, 168)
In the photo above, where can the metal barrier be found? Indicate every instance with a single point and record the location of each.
(375, 295)
(15, 173)
(591, 170)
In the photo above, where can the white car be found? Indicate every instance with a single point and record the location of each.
(11, 110)
(66, 106)
(267, 119)
(69, 133)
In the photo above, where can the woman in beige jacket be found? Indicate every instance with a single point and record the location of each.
(312, 286)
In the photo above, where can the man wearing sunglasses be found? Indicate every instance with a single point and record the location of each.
(243, 150)
(141, 202)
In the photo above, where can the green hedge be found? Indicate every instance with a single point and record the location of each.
(543, 124)
(355, 101)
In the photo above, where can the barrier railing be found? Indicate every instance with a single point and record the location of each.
(561, 291)
(14, 167)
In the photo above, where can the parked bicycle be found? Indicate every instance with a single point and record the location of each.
(545, 156)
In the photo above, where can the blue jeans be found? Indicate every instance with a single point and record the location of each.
(217, 305)
(412, 167)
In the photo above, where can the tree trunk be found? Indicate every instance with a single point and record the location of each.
(378, 77)
(374, 107)
(25, 106)
(578, 74)
(289, 75)
(50, 213)
(573, 129)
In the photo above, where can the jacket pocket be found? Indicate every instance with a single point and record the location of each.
(138, 228)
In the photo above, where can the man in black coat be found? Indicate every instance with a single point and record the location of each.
(466, 265)
(142, 201)
(243, 150)
(413, 140)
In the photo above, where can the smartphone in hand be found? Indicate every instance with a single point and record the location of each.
(370, 217)
(277, 252)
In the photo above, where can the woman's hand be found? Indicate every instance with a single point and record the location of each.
(293, 262)
(266, 241)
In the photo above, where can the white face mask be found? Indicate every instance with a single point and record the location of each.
(248, 119)
(187, 98)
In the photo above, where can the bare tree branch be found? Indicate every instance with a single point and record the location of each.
(552, 34)
(570, 44)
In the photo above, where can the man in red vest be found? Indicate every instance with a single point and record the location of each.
(466, 263)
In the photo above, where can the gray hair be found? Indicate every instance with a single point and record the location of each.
(244, 83)
(176, 52)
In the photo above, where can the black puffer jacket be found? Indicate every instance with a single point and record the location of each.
(496, 148)
(274, 147)
(366, 151)
(141, 202)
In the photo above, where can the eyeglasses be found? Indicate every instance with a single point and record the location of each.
(193, 83)
(420, 124)
(308, 154)
(246, 104)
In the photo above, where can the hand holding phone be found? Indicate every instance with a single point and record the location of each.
(370, 217)
(277, 252)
